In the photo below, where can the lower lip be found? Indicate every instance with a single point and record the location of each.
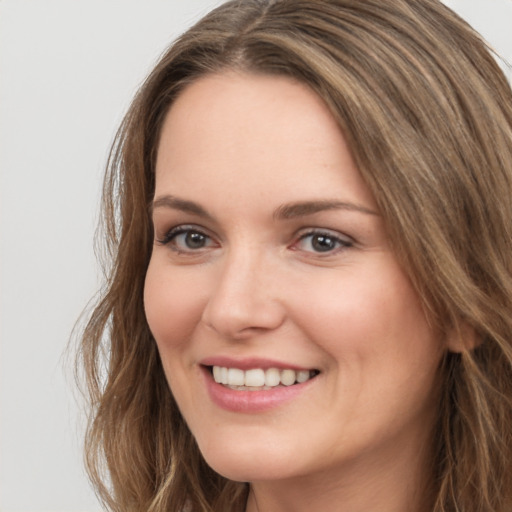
(251, 401)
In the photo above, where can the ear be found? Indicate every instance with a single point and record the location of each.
(462, 337)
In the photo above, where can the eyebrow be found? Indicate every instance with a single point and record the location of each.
(304, 208)
(183, 205)
(283, 212)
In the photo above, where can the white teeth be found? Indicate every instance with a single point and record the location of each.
(272, 377)
(259, 378)
(255, 378)
(220, 374)
(288, 377)
(236, 377)
(302, 376)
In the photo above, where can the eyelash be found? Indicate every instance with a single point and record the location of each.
(170, 237)
(334, 239)
(339, 242)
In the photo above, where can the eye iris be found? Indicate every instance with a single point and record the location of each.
(194, 240)
(323, 243)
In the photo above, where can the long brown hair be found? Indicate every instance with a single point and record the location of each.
(428, 117)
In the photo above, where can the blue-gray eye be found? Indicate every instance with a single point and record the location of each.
(192, 239)
(321, 242)
(183, 238)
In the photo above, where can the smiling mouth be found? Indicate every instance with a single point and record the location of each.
(258, 379)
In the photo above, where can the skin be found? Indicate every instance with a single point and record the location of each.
(357, 438)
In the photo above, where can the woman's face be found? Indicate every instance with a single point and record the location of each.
(272, 273)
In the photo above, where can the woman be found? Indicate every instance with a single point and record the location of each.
(309, 303)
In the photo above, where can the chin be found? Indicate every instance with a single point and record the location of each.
(248, 462)
(247, 471)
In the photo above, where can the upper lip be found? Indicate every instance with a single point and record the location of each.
(248, 363)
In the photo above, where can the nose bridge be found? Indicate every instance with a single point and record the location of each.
(242, 299)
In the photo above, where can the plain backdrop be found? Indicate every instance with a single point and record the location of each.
(68, 70)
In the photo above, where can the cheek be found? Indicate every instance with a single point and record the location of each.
(373, 326)
(383, 355)
(173, 307)
(349, 308)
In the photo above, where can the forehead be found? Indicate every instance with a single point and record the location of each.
(237, 110)
(254, 130)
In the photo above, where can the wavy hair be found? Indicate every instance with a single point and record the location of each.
(427, 114)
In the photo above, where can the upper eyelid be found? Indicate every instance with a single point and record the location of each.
(179, 229)
(317, 229)
(342, 240)
(325, 231)
(186, 227)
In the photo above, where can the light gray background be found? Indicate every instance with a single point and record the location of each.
(68, 70)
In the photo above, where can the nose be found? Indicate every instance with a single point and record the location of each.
(244, 298)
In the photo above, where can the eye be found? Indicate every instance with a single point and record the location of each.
(322, 242)
(186, 239)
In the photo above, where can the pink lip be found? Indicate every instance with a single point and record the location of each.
(251, 401)
(249, 363)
